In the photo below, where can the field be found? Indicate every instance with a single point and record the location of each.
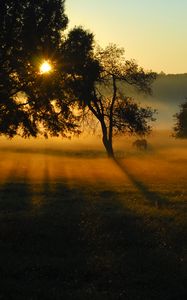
(75, 225)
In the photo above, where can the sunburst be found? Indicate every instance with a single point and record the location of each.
(45, 67)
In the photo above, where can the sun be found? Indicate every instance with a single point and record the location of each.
(45, 67)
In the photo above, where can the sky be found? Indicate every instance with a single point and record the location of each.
(153, 32)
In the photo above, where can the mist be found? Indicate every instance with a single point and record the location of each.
(168, 92)
(82, 158)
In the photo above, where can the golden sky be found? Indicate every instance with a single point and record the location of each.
(153, 32)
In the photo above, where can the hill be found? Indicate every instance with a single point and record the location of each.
(169, 91)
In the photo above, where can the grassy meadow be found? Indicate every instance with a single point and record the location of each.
(75, 225)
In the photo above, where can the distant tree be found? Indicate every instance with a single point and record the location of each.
(31, 31)
(94, 83)
(180, 128)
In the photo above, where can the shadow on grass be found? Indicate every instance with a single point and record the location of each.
(152, 197)
(83, 153)
(15, 194)
(81, 244)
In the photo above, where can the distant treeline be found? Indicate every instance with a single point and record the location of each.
(168, 92)
(170, 88)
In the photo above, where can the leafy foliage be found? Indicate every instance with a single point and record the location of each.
(84, 78)
(130, 118)
(79, 63)
(94, 83)
(31, 31)
(180, 128)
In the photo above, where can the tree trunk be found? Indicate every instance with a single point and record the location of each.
(107, 141)
(108, 146)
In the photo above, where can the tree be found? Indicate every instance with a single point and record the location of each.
(180, 128)
(31, 31)
(32, 103)
(95, 80)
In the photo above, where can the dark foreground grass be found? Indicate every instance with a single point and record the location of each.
(89, 241)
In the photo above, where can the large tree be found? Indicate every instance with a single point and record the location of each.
(180, 128)
(32, 103)
(31, 31)
(95, 81)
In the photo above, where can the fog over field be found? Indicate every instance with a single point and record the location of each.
(78, 225)
(83, 164)
(83, 157)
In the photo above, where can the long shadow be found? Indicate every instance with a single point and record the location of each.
(83, 244)
(15, 193)
(83, 153)
(151, 196)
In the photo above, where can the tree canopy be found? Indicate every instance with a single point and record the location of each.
(31, 31)
(95, 77)
(180, 128)
(84, 77)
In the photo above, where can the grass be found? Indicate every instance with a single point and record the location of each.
(84, 227)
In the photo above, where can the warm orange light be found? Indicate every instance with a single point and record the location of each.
(45, 67)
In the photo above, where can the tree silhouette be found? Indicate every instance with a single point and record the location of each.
(82, 78)
(180, 128)
(31, 31)
(94, 82)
